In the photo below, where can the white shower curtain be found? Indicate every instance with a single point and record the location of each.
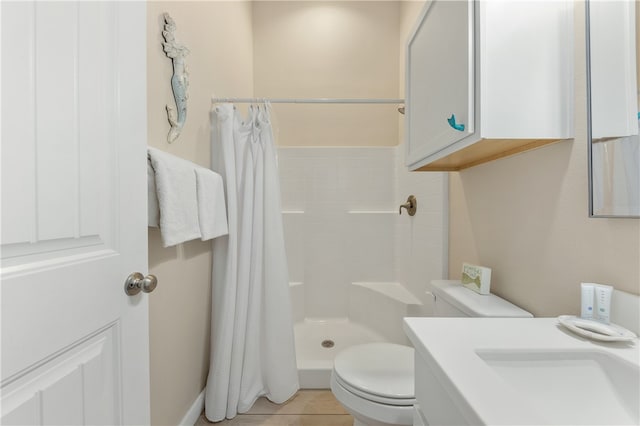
(252, 346)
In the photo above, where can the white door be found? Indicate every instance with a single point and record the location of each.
(74, 345)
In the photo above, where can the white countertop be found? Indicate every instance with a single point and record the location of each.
(450, 346)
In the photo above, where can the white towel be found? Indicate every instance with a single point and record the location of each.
(212, 210)
(177, 197)
(153, 209)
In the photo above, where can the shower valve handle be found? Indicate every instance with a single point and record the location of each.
(411, 205)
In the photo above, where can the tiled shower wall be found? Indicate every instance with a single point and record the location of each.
(340, 209)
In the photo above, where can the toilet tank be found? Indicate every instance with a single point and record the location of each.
(452, 299)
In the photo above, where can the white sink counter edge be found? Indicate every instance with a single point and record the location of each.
(450, 347)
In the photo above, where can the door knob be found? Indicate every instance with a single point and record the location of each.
(136, 283)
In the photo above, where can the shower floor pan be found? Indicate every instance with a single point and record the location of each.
(318, 340)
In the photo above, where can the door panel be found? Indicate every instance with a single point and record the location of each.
(73, 213)
(65, 163)
(78, 386)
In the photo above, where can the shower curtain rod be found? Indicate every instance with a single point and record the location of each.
(309, 100)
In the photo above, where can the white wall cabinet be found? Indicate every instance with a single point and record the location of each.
(502, 70)
(612, 48)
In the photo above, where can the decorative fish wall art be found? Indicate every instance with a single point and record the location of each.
(180, 79)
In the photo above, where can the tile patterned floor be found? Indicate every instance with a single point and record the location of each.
(306, 408)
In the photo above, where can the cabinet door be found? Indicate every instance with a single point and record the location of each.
(612, 47)
(440, 78)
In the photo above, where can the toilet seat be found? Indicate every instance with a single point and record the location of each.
(379, 372)
(404, 402)
(366, 412)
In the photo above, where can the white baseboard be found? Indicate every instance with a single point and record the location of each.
(192, 416)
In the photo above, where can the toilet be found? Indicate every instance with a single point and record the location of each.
(375, 382)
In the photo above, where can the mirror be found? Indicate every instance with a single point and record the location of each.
(612, 105)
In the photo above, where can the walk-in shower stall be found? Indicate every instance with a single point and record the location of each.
(357, 266)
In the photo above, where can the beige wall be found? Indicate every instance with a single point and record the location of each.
(219, 36)
(526, 217)
(409, 13)
(329, 49)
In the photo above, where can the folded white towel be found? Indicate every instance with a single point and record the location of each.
(177, 197)
(212, 211)
(152, 197)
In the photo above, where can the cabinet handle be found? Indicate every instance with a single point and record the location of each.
(452, 122)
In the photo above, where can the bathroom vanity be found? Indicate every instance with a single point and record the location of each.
(520, 371)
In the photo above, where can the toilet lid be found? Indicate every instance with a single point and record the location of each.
(381, 372)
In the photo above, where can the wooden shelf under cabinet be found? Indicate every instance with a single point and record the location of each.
(483, 151)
